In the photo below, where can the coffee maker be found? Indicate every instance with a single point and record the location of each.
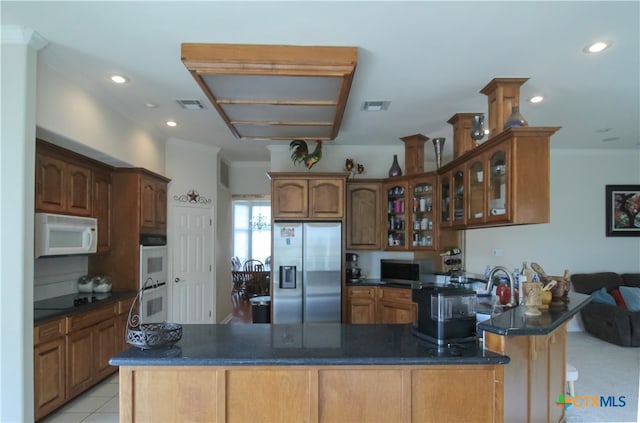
(353, 271)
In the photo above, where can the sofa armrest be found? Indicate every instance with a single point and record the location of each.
(607, 322)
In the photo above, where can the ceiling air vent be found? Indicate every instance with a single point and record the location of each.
(190, 104)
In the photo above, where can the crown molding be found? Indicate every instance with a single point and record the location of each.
(15, 34)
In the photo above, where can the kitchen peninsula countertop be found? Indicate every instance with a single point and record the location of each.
(514, 322)
(51, 308)
(304, 344)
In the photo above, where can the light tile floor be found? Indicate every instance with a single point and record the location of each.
(98, 405)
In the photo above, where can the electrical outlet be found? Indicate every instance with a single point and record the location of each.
(497, 252)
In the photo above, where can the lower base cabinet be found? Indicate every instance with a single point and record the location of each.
(312, 394)
(71, 354)
(49, 370)
(380, 304)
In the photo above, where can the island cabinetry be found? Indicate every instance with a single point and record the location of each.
(63, 184)
(535, 375)
(311, 393)
(397, 209)
(380, 304)
(364, 204)
(423, 227)
(49, 366)
(307, 196)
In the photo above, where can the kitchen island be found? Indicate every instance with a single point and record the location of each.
(321, 372)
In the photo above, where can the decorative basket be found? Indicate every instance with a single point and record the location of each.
(150, 335)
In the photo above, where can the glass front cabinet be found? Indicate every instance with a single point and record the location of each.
(423, 228)
(445, 200)
(458, 195)
(498, 184)
(397, 210)
(476, 197)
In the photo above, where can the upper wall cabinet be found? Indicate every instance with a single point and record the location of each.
(364, 202)
(63, 185)
(153, 204)
(307, 195)
(505, 181)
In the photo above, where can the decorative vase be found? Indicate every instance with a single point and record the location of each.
(395, 170)
(477, 128)
(516, 118)
(438, 143)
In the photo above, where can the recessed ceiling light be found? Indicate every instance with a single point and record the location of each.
(150, 105)
(119, 79)
(536, 99)
(172, 123)
(597, 47)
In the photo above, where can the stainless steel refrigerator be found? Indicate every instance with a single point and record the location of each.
(307, 269)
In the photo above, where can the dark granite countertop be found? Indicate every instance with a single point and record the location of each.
(304, 344)
(513, 322)
(376, 282)
(61, 306)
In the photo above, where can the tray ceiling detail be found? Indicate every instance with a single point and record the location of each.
(275, 92)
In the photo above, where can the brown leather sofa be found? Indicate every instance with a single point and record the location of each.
(609, 322)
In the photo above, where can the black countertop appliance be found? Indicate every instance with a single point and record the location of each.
(446, 314)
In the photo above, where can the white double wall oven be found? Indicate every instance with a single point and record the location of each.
(153, 279)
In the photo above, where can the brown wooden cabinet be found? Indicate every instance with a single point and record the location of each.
(62, 186)
(364, 203)
(153, 204)
(380, 304)
(102, 194)
(395, 306)
(49, 367)
(140, 207)
(72, 353)
(504, 181)
(397, 209)
(307, 196)
(423, 227)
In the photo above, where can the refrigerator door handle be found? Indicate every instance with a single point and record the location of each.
(287, 277)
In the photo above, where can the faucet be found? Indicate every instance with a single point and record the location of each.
(513, 301)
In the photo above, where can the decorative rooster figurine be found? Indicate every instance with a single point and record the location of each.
(301, 153)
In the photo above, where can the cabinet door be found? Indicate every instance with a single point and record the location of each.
(80, 361)
(79, 190)
(476, 196)
(499, 187)
(458, 193)
(51, 181)
(395, 306)
(362, 304)
(326, 198)
(105, 347)
(423, 227)
(161, 205)
(49, 376)
(102, 208)
(289, 198)
(148, 195)
(363, 216)
(445, 200)
(396, 217)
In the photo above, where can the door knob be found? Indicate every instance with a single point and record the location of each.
(176, 280)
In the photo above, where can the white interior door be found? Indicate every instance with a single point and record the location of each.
(191, 293)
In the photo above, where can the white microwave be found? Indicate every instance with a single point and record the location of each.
(57, 235)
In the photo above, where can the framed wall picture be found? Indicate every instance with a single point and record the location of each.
(623, 210)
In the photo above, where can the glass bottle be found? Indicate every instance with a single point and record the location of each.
(522, 278)
(516, 118)
(395, 170)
